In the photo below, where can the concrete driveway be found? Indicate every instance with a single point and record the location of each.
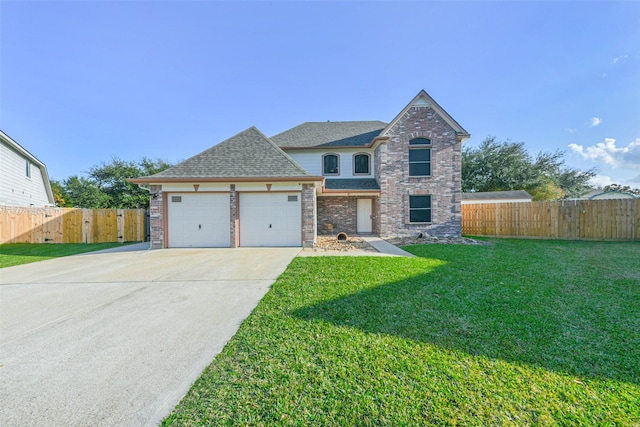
(118, 338)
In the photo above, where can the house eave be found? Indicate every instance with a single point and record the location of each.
(373, 144)
(159, 181)
(349, 193)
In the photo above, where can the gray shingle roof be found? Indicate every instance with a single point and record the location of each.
(246, 155)
(351, 184)
(486, 195)
(330, 134)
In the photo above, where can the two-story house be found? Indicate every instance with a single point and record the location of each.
(24, 180)
(396, 178)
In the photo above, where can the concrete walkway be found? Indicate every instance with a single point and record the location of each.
(385, 247)
(117, 338)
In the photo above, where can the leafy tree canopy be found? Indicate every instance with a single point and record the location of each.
(505, 165)
(622, 189)
(106, 185)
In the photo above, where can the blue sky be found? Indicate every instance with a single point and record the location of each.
(84, 81)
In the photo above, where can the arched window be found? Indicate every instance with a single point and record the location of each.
(331, 164)
(420, 157)
(361, 164)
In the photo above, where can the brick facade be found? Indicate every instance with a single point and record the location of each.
(341, 213)
(233, 217)
(444, 185)
(309, 230)
(156, 216)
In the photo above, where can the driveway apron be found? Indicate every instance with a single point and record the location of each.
(118, 338)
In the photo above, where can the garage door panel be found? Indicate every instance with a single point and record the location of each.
(198, 220)
(270, 219)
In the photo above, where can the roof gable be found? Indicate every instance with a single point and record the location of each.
(330, 134)
(249, 154)
(33, 159)
(422, 99)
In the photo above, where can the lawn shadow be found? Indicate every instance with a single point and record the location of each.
(543, 325)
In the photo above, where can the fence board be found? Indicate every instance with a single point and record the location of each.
(617, 219)
(71, 225)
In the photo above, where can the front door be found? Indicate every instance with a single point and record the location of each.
(363, 215)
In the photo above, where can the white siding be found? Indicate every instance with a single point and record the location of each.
(311, 161)
(16, 189)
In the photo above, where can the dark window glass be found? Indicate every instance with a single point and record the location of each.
(420, 162)
(330, 162)
(419, 208)
(419, 155)
(420, 141)
(361, 163)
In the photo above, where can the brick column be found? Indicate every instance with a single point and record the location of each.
(309, 231)
(233, 217)
(156, 216)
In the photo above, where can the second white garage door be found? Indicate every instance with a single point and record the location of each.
(198, 220)
(270, 219)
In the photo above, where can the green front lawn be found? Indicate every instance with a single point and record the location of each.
(516, 333)
(24, 253)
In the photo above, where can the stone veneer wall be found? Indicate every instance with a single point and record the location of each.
(309, 231)
(156, 217)
(233, 216)
(341, 212)
(444, 185)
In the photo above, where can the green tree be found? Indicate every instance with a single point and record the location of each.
(112, 177)
(85, 193)
(106, 185)
(505, 165)
(622, 189)
(60, 195)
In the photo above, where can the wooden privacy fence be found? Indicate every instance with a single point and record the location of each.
(617, 219)
(71, 225)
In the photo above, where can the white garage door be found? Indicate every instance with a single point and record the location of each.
(270, 219)
(198, 220)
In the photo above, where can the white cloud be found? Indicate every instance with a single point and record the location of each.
(600, 181)
(607, 152)
(594, 121)
(571, 130)
(619, 58)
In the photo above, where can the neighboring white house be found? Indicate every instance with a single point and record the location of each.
(518, 196)
(23, 178)
(608, 195)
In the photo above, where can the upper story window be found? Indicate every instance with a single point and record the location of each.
(331, 164)
(420, 157)
(27, 169)
(361, 164)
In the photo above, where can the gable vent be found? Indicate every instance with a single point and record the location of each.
(292, 198)
(176, 199)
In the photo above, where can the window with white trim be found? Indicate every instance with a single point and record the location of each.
(361, 164)
(331, 164)
(28, 169)
(420, 157)
(419, 208)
